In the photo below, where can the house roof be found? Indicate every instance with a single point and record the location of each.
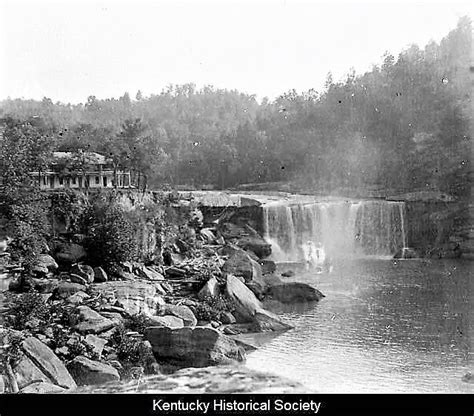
(89, 157)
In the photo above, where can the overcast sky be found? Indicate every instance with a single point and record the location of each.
(68, 50)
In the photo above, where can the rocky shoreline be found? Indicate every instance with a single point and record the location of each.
(66, 325)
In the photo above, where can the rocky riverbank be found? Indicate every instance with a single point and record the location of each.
(66, 324)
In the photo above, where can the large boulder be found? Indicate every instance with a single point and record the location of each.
(240, 263)
(44, 263)
(168, 321)
(268, 266)
(44, 285)
(47, 362)
(249, 309)
(42, 387)
(66, 289)
(193, 347)
(246, 304)
(69, 252)
(100, 276)
(26, 372)
(135, 297)
(84, 271)
(210, 289)
(293, 292)
(182, 312)
(86, 371)
(92, 322)
(147, 272)
(226, 379)
(96, 343)
(256, 244)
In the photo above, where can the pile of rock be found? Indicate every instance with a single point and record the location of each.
(77, 345)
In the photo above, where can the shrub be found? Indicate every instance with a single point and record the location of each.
(131, 352)
(28, 306)
(109, 235)
(28, 224)
(137, 323)
(211, 308)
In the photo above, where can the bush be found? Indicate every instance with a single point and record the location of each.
(28, 224)
(137, 323)
(211, 308)
(132, 353)
(109, 235)
(28, 306)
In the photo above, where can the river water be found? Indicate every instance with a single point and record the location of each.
(385, 326)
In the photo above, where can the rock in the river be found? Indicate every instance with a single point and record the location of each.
(182, 312)
(249, 309)
(210, 289)
(168, 321)
(86, 371)
(268, 266)
(288, 273)
(84, 271)
(100, 276)
(47, 362)
(91, 322)
(293, 292)
(193, 347)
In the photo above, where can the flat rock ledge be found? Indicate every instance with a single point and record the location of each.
(221, 379)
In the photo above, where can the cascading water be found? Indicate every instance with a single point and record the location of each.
(344, 228)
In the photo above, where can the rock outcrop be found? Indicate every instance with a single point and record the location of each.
(195, 347)
(294, 292)
(91, 322)
(135, 297)
(249, 309)
(47, 362)
(182, 312)
(210, 289)
(86, 371)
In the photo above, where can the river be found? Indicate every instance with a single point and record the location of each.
(385, 326)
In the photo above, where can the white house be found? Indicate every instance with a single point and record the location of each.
(81, 170)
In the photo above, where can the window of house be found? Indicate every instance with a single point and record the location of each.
(97, 180)
(61, 181)
(44, 180)
(74, 180)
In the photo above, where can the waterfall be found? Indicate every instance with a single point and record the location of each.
(344, 228)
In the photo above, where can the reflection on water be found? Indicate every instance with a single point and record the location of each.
(384, 326)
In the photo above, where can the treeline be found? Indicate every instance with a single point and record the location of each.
(402, 126)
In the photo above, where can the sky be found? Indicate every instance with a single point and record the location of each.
(69, 50)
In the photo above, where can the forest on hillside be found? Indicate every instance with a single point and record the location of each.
(403, 126)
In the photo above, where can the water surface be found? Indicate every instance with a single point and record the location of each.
(385, 326)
